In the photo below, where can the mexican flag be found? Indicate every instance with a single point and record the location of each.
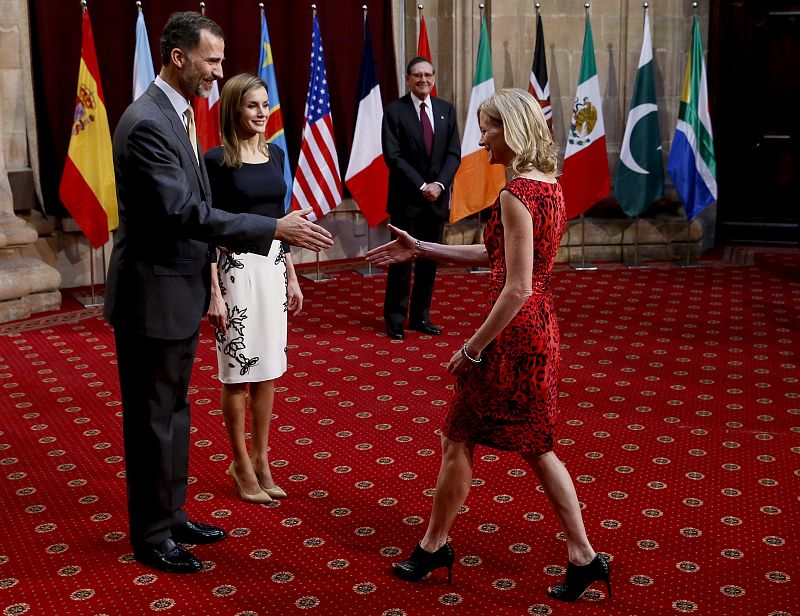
(691, 163)
(477, 183)
(585, 178)
(640, 175)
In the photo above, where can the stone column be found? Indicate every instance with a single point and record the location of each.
(27, 284)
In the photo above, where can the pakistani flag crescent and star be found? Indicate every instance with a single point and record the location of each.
(640, 175)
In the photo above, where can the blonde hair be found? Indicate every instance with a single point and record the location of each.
(230, 104)
(525, 129)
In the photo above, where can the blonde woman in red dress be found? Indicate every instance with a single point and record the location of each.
(506, 393)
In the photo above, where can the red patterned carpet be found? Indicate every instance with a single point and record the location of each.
(680, 423)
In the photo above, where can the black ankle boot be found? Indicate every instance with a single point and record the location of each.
(579, 578)
(421, 563)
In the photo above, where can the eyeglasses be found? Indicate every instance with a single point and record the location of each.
(421, 75)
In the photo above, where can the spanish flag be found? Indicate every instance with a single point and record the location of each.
(87, 186)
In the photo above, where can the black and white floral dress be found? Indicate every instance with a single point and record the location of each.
(252, 348)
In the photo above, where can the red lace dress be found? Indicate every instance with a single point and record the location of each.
(510, 401)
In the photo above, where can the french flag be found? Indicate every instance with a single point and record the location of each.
(367, 177)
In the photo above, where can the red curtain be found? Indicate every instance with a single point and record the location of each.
(55, 42)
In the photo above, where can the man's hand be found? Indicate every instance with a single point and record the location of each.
(432, 191)
(294, 229)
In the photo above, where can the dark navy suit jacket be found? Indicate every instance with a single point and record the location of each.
(159, 275)
(409, 164)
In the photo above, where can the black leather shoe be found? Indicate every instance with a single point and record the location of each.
(197, 533)
(426, 327)
(421, 563)
(169, 557)
(580, 577)
(395, 332)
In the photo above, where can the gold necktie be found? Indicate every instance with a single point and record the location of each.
(190, 128)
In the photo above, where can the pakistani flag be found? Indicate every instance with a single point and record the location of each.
(691, 163)
(585, 179)
(640, 175)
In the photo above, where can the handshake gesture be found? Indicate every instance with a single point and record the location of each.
(404, 248)
(296, 230)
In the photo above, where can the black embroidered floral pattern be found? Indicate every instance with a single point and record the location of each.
(233, 348)
(281, 258)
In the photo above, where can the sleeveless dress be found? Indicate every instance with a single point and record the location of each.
(253, 346)
(510, 401)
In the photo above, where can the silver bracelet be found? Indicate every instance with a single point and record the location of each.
(418, 247)
(467, 357)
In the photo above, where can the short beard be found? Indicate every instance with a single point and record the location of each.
(195, 83)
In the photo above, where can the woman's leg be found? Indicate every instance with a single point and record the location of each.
(452, 487)
(558, 487)
(262, 397)
(234, 398)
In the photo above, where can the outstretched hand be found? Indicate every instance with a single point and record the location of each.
(403, 249)
(294, 229)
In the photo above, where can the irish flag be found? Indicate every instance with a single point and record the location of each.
(691, 163)
(477, 183)
(585, 179)
(367, 177)
(87, 188)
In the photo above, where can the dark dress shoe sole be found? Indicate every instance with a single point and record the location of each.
(431, 330)
(183, 563)
(198, 534)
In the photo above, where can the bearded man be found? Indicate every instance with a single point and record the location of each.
(158, 285)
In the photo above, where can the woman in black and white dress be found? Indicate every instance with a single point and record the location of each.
(251, 295)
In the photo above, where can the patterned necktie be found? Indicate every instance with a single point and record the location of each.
(427, 129)
(192, 130)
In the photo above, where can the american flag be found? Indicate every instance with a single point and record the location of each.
(317, 182)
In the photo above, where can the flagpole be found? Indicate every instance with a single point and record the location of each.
(420, 8)
(317, 276)
(477, 269)
(92, 300)
(635, 263)
(584, 265)
(368, 271)
(688, 262)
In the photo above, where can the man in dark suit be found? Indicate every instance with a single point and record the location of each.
(422, 149)
(159, 283)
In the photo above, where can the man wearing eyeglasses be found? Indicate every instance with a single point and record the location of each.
(422, 149)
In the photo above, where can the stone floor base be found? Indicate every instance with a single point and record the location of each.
(27, 286)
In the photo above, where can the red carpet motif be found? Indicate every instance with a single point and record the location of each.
(680, 422)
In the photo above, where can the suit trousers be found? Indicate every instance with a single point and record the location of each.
(154, 379)
(426, 227)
